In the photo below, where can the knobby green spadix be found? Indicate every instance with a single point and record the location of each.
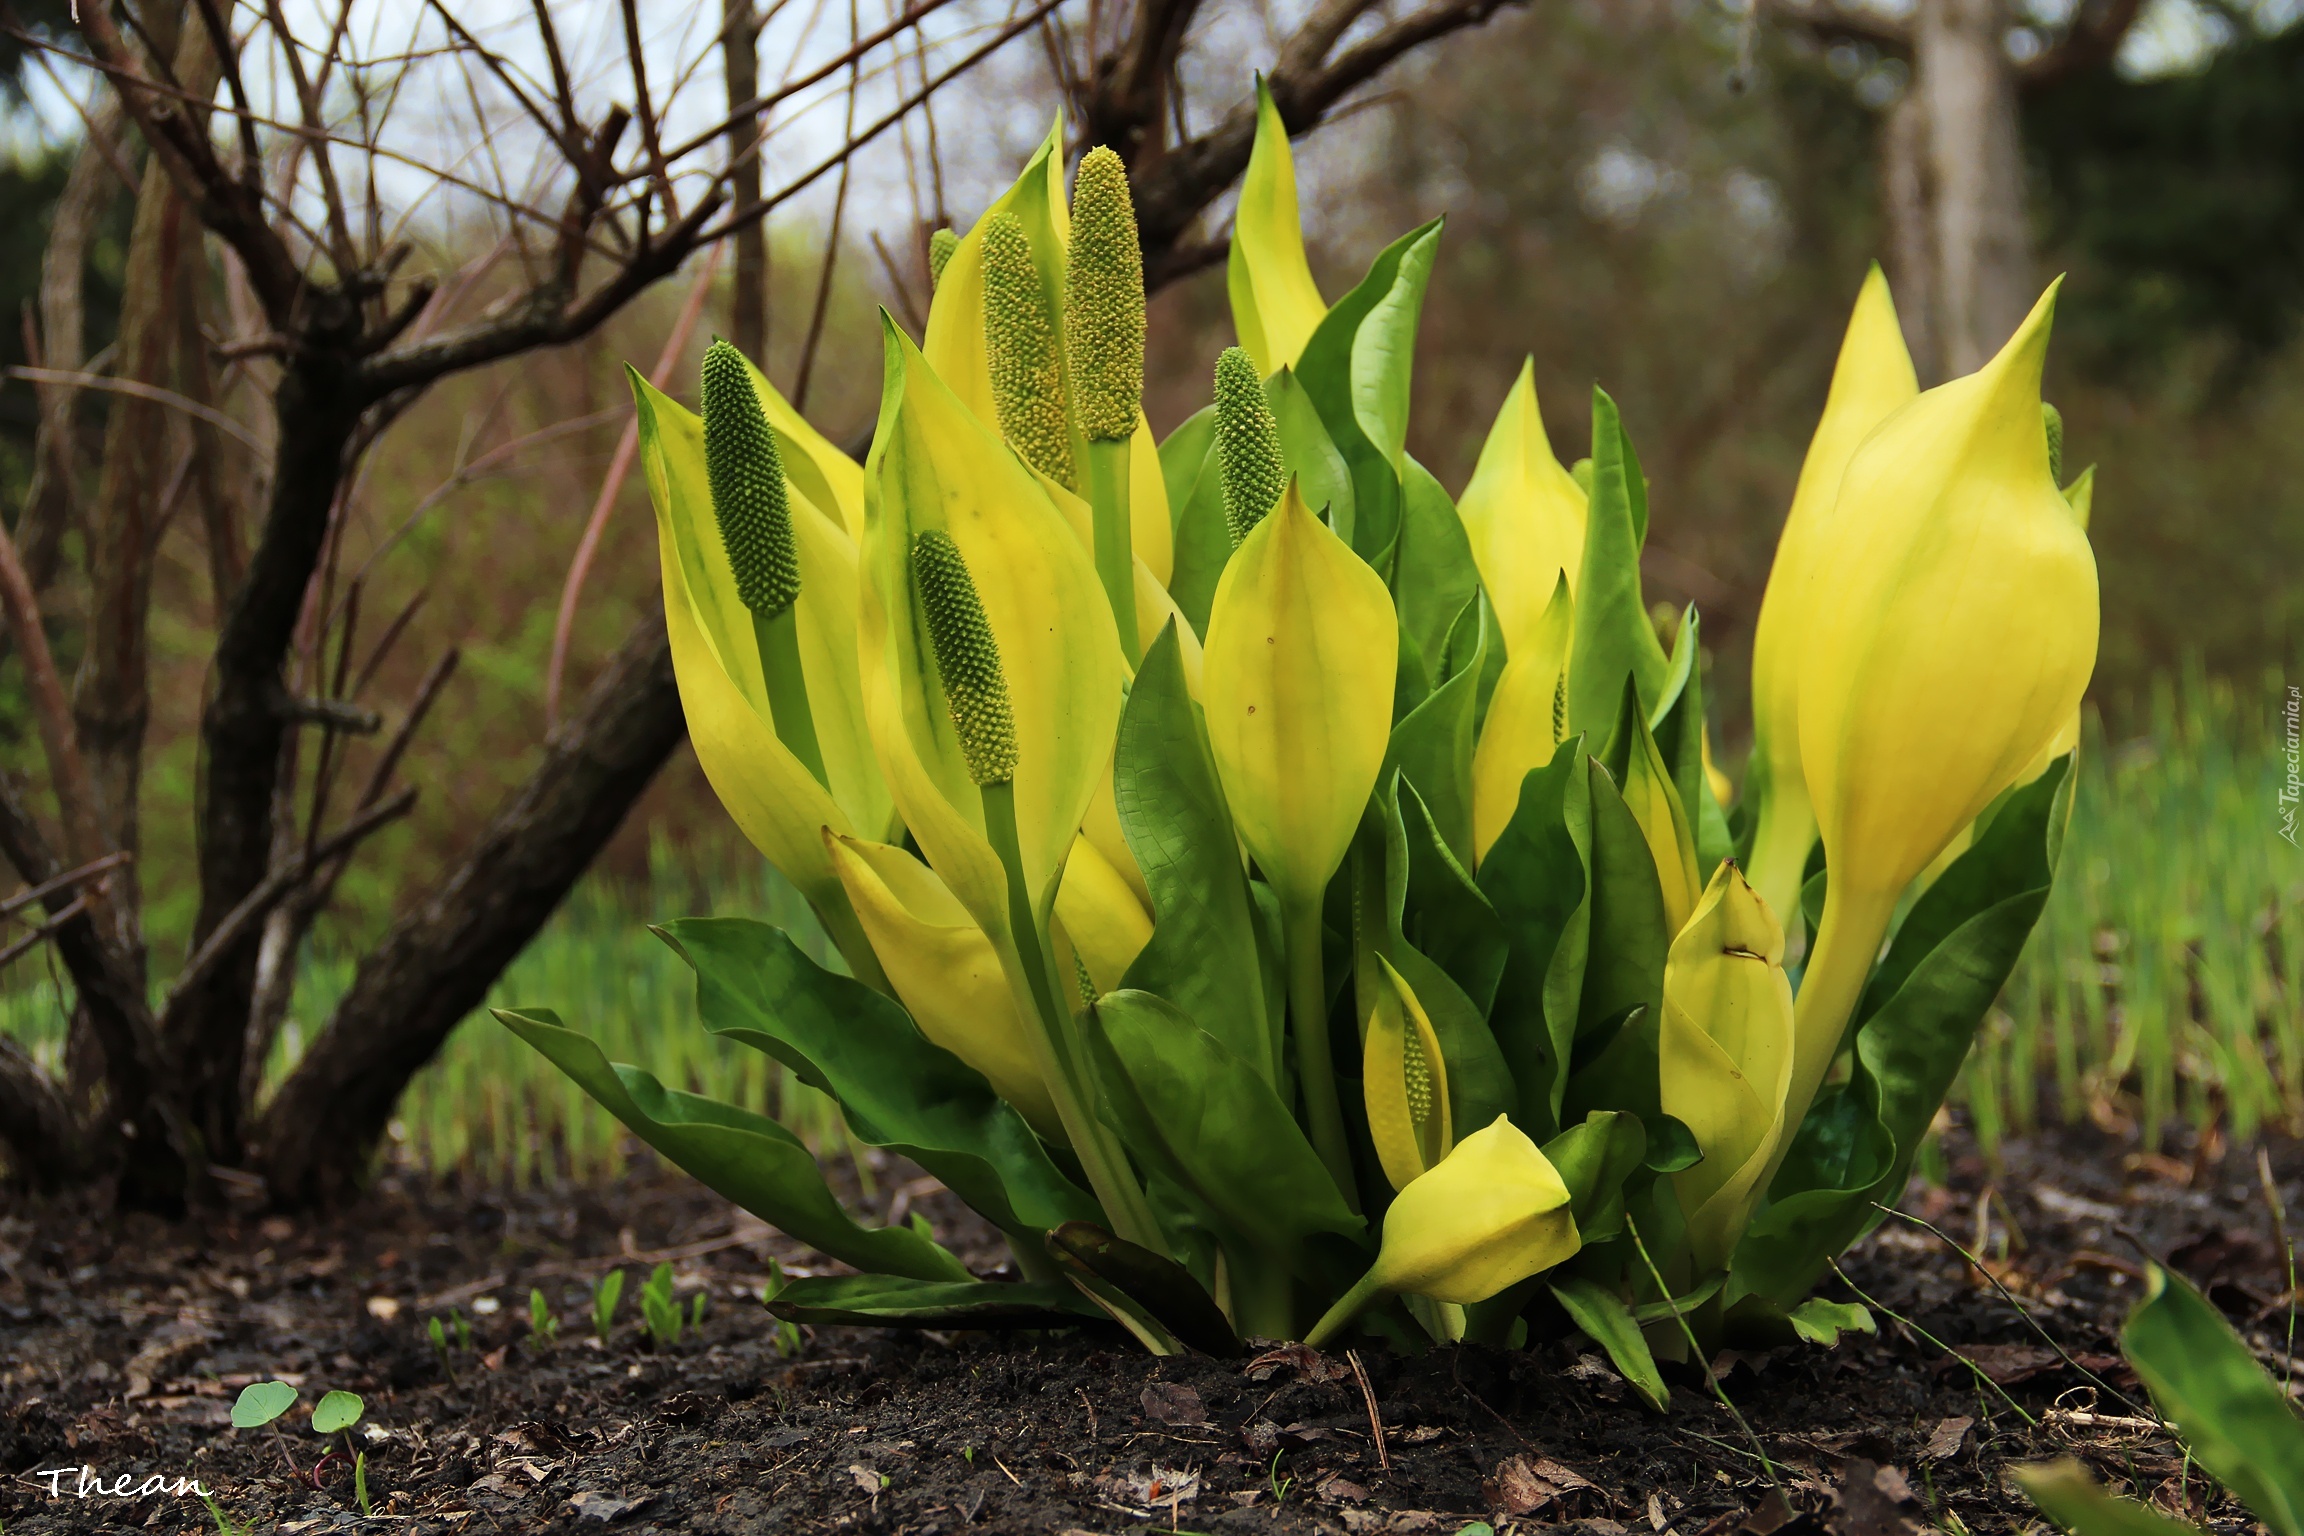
(1405, 1083)
(1952, 633)
(1248, 456)
(754, 510)
(1872, 380)
(1104, 340)
(941, 245)
(1025, 353)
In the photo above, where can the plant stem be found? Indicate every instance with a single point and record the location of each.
(779, 637)
(1054, 1047)
(1315, 1071)
(1263, 1297)
(1350, 1305)
(1847, 942)
(1780, 847)
(1107, 486)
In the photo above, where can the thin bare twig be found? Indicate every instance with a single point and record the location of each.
(276, 887)
(55, 883)
(142, 391)
(60, 738)
(831, 238)
(40, 935)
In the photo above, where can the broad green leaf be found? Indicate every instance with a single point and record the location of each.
(1164, 1288)
(1615, 638)
(1534, 879)
(1682, 1305)
(1822, 1322)
(1384, 351)
(1191, 1109)
(1275, 303)
(1446, 917)
(1311, 454)
(899, 1091)
(2233, 1418)
(2066, 1494)
(1624, 968)
(1607, 1322)
(1432, 749)
(1433, 577)
(338, 1410)
(1330, 372)
(1595, 1157)
(744, 1157)
(260, 1402)
(1203, 955)
(893, 1301)
(1202, 543)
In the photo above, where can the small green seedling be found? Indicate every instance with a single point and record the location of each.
(543, 1327)
(605, 1295)
(337, 1413)
(696, 1312)
(1280, 1485)
(260, 1402)
(787, 1339)
(463, 1327)
(658, 1310)
(225, 1525)
(439, 1336)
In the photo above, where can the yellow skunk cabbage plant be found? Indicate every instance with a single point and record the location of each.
(1290, 903)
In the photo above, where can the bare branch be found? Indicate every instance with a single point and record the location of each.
(74, 379)
(59, 738)
(2090, 43)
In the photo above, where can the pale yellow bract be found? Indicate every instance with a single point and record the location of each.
(1492, 1213)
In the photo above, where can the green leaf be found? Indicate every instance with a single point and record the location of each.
(746, 1158)
(1594, 1159)
(1678, 1306)
(2232, 1417)
(2067, 1495)
(1480, 1085)
(1432, 746)
(338, 1410)
(1200, 540)
(892, 1301)
(1671, 1146)
(1614, 638)
(1624, 965)
(1331, 371)
(1434, 575)
(1534, 878)
(1445, 916)
(1202, 956)
(1157, 1283)
(1323, 479)
(899, 1091)
(260, 1402)
(1822, 1322)
(1679, 727)
(1607, 1322)
(1198, 1113)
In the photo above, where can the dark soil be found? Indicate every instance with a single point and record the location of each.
(124, 1340)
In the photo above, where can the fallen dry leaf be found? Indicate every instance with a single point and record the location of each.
(1172, 1402)
(1947, 1438)
(1522, 1484)
(1873, 1501)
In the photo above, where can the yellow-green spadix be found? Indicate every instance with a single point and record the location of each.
(1871, 382)
(1952, 634)
(1404, 1081)
(1249, 461)
(1724, 1051)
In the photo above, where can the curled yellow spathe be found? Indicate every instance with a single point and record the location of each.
(1404, 1082)
(1523, 515)
(1275, 303)
(774, 800)
(1953, 634)
(935, 466)
(1872, 380)
(1724, 1050)
(1527, 718)
(1302, 648)
(1493, 1212)
(945, 971)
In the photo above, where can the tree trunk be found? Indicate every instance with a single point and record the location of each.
(1982, 250)
(439, 960)
(1906, 207)
(740, 53)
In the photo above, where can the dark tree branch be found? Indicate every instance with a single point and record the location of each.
(36, 1124)
(2089, 44)
(437, 963)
